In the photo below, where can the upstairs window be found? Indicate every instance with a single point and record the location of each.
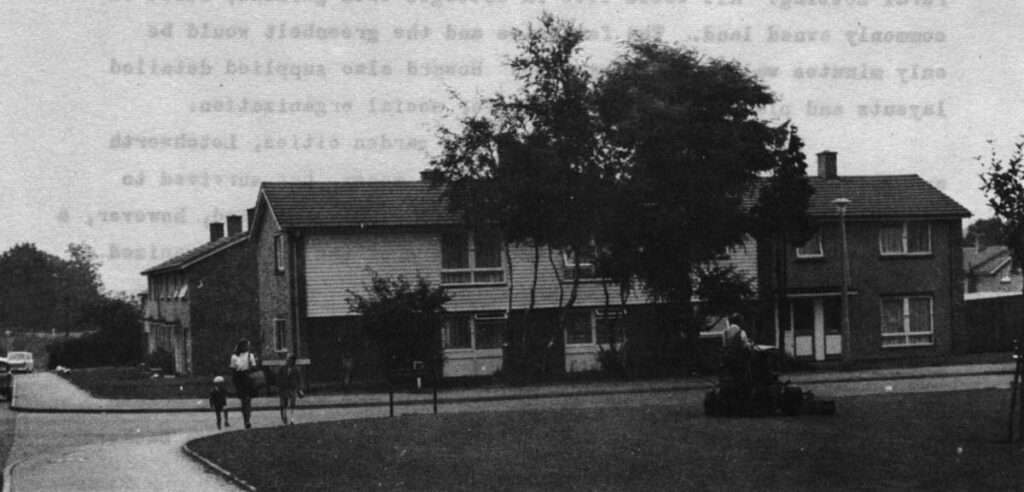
(471, 258)
(585, 269)
(279, 258)
(812, 248)
(905, 238)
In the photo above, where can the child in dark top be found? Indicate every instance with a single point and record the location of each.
(289, 386)
(219, 400)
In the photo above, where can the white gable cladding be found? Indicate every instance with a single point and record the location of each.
(337, 264)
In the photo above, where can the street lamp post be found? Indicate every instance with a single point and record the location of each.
(841, 204)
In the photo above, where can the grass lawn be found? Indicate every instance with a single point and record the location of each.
(134, 382)
(936, 441)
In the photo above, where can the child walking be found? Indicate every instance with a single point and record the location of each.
(288, 388)
(219, 401)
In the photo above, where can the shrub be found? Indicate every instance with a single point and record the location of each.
(161, 359)
(403, 320)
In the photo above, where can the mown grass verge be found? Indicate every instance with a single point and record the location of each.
(937, 441)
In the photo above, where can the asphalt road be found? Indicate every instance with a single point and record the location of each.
(83, 446)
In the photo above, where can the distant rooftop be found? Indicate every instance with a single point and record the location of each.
(198, 253)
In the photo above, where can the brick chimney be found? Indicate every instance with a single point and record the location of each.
(216, 231)
(430, 175)
(827, 165)
(234, 224)
(250, 215)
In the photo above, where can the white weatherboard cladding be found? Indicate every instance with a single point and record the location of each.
(336, 264)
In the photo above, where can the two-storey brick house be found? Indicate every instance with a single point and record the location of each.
(201, 302)
(317, 243)
(905, 290)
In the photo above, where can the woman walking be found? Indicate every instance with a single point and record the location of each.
(242, 361)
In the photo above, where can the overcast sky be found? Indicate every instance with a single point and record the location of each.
(108, 104)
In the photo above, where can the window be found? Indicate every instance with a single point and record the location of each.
(480, 331)
(578, 329)
(280, 335)
(907, 321)
(586, 269)
(279, 253)
(812, 248)
(471, 258)
(905, 238)
(182, 292)
(489, 330)
(609, 326)
(456, 333)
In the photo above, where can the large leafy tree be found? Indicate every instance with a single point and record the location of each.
(531, 164)
(779, 218)
(696, 148)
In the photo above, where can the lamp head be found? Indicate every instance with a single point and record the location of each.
(841, 204)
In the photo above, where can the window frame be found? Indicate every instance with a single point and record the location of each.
(613, 313)
(446, 331)
(280, 328)
(904, 239)
(591, 336)
(486, 316)
(279, 253)
(906, 321)
(473, 270)
(472, 323)
(821, 247)
(587, 270)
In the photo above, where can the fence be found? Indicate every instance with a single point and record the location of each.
(991, 324)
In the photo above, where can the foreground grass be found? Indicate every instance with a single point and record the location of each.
(938, 441)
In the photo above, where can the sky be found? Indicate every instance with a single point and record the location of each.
(130, 125)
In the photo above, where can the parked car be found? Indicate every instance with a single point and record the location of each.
(5, 379)
(20, 361)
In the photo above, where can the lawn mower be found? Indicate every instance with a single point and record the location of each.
(749, 386)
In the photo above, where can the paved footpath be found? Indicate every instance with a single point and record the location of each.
(157, 462)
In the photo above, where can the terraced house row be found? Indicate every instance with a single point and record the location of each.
(284, 282)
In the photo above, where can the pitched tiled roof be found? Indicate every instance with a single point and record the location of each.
(358, 203)
(398, 203)
(197, 253)
(985, 260)
(903, 195)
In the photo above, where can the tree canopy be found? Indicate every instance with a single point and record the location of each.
(647, 168)
(42, 292)
(985, 233)
(402, 319)
(1003, 183)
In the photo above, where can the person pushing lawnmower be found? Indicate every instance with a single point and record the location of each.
(748, 385)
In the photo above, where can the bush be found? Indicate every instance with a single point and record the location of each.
(160, 359)
(403, 320)
(118, 341)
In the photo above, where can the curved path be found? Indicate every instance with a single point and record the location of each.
(141, 449)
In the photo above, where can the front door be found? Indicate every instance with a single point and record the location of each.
(815, 330)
